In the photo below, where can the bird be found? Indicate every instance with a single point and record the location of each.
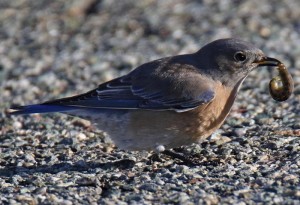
(165, 103)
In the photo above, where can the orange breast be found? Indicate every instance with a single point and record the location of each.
(208, 118)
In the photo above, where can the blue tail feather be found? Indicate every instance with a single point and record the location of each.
(39, 108)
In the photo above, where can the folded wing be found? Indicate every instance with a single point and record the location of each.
(152, 86)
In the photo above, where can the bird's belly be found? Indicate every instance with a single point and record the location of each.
(145, 130)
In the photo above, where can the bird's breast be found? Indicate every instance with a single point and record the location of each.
(209, 117)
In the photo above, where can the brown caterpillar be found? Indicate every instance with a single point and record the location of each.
(281, 87)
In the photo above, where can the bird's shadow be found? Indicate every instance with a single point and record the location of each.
(80, 166)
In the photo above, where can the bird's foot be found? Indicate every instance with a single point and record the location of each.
(175, 155)
(154, 158)
(160, 149)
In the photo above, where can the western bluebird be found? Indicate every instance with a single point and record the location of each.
(168, 102)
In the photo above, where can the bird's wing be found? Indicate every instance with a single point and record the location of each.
(152, 86)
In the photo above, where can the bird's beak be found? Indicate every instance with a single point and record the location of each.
(267, 61)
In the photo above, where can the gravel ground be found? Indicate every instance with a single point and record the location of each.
(51, 49)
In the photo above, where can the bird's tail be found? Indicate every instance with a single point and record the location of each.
(39, 108)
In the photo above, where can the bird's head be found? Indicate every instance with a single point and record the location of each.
(230, 60)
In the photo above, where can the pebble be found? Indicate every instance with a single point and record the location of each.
(81, 136)
(240, 132)
(17, 125)
(149, 187)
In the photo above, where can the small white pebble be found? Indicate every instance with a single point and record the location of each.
(17, 125)
(81, 136)
(240, 132)
(160, 148)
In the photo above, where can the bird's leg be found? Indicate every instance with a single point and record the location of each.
(155, 156)
(160, 149)
(176, 155)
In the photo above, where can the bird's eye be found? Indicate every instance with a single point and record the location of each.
(239, 56)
